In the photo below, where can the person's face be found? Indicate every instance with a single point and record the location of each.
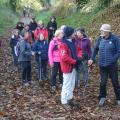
(104, 34)
(61, 35)
(52, 20)
(16, 32)
(79, 34)
(74, 35)
(40, 25)
(27, 28)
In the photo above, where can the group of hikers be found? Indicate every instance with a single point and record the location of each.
(27, 11)
(69, 53)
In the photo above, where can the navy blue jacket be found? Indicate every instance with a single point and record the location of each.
(109, 50)
(41, 46)
(71, 45)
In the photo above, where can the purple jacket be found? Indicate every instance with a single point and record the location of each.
(85, 45)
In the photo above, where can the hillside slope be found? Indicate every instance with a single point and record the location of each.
(111, 16)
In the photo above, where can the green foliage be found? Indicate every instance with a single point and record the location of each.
(81, 3)
(44, 16)
(104, 3)
(7, 19)
(77, 20)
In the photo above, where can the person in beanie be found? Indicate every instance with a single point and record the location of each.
(54, 59)
(108, 46)
(84, 43)
(24, 58)
(68, 61)
(40, 49)
(52, 27)
(13, 42)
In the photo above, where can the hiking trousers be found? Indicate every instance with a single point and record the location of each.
(26, 71)
(112, 72)
(68, 86)
(55, 69)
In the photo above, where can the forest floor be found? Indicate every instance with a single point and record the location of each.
(37, 102)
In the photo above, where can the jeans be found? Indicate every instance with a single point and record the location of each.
(68, 86)
(26, 71)
(82, 68)
(112, 72)
(55, 69)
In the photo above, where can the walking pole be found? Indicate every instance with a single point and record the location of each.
(84, 90)
(40, 71)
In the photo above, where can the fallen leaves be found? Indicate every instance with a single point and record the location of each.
(36, 102)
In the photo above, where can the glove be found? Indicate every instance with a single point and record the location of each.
(78, 61)
(39, 53)
(85, 56)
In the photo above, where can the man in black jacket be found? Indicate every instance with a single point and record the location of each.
(33, 25)
(52, 27)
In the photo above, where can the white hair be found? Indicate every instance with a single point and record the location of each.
(58, 32)
(62, 27)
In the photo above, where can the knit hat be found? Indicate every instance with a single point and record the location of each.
(68, 31)
(106, 28)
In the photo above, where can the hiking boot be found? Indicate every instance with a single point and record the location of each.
(102, 102)
(118, 102)
(66, 107)
(73, 103)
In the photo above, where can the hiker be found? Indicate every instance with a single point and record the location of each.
(20, 26)
(24, 57)
(108, 46)
(33, 25)
(54, 59)
(41, 30)
(25, 29)
(84, 43)
(52, 27)
(40, 49)
(24, 12)
(68, 61)
(13, 42)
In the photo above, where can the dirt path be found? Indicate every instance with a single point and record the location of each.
(26, 20)
(36, 102)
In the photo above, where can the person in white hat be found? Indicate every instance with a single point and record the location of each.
(108, 46)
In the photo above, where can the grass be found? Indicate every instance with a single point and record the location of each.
(7, 19)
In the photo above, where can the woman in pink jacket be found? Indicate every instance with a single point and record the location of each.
(54, 59)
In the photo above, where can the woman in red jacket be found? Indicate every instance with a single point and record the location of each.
(41, 30)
